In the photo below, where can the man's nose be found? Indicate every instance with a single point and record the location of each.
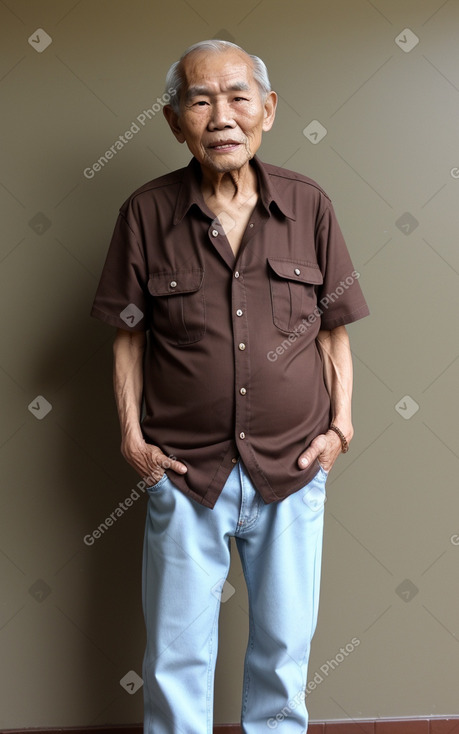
(221, 116)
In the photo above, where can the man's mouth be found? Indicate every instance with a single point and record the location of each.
(227, 145)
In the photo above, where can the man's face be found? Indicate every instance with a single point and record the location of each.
(222, 114)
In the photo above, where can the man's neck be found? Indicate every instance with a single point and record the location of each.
(239, 184)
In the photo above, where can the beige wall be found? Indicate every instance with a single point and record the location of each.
(70, 616)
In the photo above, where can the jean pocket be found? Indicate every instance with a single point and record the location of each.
(153, 488)
(324, 471)
(314, 494)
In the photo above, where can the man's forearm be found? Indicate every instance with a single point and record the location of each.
(338, 374)
(148, 460)
(128, 351)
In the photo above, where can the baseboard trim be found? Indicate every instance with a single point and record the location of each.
(435, 725)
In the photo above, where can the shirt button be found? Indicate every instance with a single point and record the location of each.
(234, 461)
(236, 274)
(243, 391)
(239, 312)
(215, 233)
(251, 224)
(242, 435)
(173, 284)
(297, 271)
(241, 346)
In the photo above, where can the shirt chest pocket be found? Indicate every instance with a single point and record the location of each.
(178, 309)
(293, 291)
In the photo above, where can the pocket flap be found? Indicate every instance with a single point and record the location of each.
(296, 270)
(175, 282)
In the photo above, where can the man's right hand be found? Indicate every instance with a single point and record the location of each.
(149, 461)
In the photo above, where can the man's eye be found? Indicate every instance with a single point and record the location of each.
(201, 103)
(240, 99)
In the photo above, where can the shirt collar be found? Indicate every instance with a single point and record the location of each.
(190, 191)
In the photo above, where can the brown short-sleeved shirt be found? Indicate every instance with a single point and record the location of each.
(232, 367)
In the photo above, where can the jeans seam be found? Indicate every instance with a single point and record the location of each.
(210, 670)
(250, 642)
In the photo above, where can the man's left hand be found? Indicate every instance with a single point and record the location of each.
(326, 448)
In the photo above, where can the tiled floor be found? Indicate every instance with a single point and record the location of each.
(384, 726)
(407, 726)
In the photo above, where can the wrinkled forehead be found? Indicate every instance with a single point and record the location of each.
(217, 72)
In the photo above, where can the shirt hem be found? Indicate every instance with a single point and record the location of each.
(345, 319)
(111, 320)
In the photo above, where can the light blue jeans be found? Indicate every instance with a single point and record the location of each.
(186, 561)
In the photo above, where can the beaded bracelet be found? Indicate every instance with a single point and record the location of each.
(342, 438)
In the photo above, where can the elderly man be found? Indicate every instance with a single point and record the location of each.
(230, 285)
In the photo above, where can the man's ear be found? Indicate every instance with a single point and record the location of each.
(173, 121)
(269, 111)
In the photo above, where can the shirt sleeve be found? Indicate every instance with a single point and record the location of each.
(340, 297)
(121, 299)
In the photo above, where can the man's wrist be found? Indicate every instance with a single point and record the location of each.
(132, 440)
(344, 437)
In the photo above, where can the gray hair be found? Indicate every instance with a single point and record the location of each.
(174, 80)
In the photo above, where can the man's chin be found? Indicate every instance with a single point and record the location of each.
(226, 163)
